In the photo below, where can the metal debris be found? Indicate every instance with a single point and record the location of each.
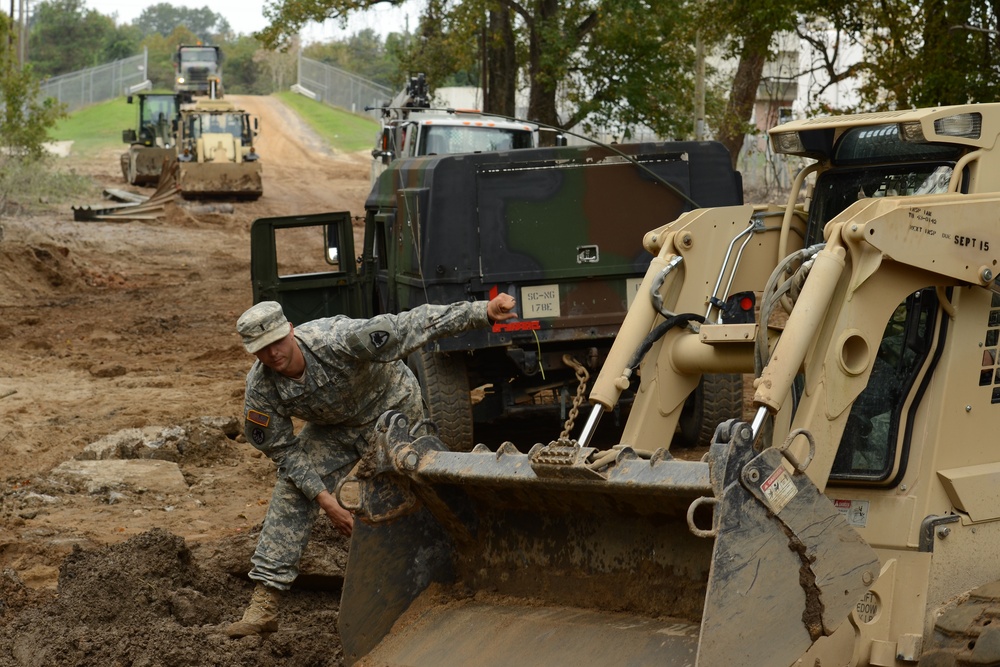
(140, 208)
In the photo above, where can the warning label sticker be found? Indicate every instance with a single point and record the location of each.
(855, 512)
(778, 489)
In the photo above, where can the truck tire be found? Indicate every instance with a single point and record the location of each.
(444, 383)
(718, 397)
(963, 635)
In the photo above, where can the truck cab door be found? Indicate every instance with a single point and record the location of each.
(307, 264)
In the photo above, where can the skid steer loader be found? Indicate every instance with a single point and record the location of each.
(852, 521)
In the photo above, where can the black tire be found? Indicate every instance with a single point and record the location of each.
(718, 397)
(444, 383)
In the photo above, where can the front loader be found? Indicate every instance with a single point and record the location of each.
(852, 521)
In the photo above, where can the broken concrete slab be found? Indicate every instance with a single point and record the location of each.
(140, 475)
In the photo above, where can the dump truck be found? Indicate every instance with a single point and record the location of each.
(216, 156)
(853, 519)
(556, 227)
(411, 127)
(198, 70)
(151, 142)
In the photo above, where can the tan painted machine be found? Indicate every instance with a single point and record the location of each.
(852, 521)
(216, 153)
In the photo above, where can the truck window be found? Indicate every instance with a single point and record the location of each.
(447, 139)
(867, 449)
(189, 54)
(875, 162)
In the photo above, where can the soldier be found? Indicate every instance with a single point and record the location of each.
(338, 375)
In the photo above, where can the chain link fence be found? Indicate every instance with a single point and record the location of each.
(338, 88)
(97, 84)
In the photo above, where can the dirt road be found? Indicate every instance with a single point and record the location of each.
(121, 334)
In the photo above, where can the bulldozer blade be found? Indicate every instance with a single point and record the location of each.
(782, 553)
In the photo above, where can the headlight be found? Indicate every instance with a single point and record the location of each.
(968, 125)
(180, 79)
(788, 142)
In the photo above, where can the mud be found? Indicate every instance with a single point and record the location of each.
(129, 502)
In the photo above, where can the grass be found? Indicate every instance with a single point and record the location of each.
(343, 130)
(100, 125)
(97, 126)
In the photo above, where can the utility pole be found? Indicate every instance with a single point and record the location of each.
(22, 39)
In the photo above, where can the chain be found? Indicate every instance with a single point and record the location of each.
(582, 376)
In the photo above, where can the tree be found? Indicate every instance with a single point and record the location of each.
(65, 36)
(25, 120)
(163, 18)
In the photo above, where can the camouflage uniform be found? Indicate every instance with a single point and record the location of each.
(354, 373)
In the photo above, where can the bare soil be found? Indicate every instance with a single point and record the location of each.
(111, 326)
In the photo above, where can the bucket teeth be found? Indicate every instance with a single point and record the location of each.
(564, 461)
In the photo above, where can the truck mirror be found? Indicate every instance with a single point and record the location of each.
(129, 99)
(331, 234)
(561, 140)
(129, 136)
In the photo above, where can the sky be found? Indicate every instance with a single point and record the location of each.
(247, 16)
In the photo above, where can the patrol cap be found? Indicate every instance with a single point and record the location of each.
(262, 325)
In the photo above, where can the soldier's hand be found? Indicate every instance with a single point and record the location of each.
(501, 307)
(341, 519)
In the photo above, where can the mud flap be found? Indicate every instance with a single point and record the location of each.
(783, 556)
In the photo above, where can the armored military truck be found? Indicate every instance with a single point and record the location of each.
(554, 227)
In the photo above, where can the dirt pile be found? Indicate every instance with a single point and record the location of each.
(148, 602)
(129, 503)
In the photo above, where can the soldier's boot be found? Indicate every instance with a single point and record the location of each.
(260, 617)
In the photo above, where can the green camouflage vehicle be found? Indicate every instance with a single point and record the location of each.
(556, 228)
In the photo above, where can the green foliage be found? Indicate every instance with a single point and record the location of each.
(242, 73)
(65, 36)
(363, 53)
(163, 18)
(24, 119)
(344, 131)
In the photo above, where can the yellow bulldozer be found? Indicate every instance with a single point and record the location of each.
(853, 518)
(216, 156)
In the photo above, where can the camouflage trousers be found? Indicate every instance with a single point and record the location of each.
(291, 515)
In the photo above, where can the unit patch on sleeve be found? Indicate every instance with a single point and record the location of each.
(379, 338)
(258, 418)
(257, 436)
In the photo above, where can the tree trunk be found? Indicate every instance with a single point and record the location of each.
(542, 100)
(742, 97)
(501, 64)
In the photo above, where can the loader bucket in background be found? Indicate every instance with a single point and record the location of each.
(501, 558)
(149, 164)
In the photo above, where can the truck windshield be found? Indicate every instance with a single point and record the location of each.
(447, 139)
(207, 123)
(198, 55)
(873, 161)
(837, 189)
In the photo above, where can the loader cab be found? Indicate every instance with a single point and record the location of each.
(872, 162)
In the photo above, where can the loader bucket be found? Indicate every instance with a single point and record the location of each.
(569, 556)
(149, 164)
(220, 179)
